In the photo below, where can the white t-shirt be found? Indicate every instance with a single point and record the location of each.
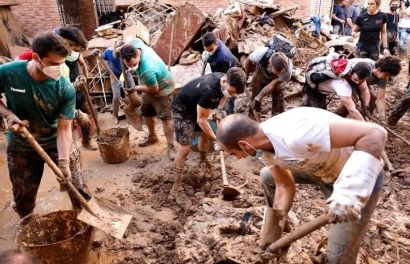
(301, 141)
(339, 86)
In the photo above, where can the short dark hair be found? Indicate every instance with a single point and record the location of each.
(234, 128)
(208, 39)
(128, 52)
(389, 64)
(362, 69)
(73, 34)
(236, 78)
(279, 61)
(48, 42)
(11, 256)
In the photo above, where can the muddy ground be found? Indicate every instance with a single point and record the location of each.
(207, 229)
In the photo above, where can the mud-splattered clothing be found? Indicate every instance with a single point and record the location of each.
(152, 70)
(304, 144)
(42, 103)
(204, 91)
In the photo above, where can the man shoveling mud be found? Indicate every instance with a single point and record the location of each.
(36, 93)
(309, 145)
(191, 109)
(157, 87)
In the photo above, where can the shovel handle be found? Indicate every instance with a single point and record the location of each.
(302, 231)
(224, 178)
(16, 128)
(90, 105)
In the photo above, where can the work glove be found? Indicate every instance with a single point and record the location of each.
(256, 105)
(216, 146)
(82, 118)
(218, 115)
(64, 166)
(79, 82)
(12, 119)
(354, 186)
(96, 52)
(366, 111)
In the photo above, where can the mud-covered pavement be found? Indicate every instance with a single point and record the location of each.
(204, 228)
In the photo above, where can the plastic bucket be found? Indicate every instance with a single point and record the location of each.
(114, 145)
(57, 237)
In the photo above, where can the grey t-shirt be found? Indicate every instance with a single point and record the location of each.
(258, 54)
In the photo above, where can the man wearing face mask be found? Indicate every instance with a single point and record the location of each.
(321, 80)
(191, 109)
(272, 69)
(381, 71)
(36, 94)
(310, 146)
(156, 85)
(220, 59)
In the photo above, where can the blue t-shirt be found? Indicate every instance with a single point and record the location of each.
(41, 103)
(223, 59)
(113, 62)
(340, 13)
(152, 70)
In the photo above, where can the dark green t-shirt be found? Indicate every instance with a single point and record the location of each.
(41, 103)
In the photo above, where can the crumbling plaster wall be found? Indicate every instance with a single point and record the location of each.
(35, 15)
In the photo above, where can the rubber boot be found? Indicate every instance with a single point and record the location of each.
(115, 109)
(86, 141)
(177, 187)
(272, 226)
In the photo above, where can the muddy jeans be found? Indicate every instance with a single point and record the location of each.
(401, 107)
(82, 104)
(344, 239)
(259, 81)
(370, 51)
(25, 171)
(315, 98)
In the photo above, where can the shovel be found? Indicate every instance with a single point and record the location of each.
(90, 105)
(97, 212)
(302, 231)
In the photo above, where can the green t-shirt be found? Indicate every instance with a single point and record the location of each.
(41, 103)
(152, 70)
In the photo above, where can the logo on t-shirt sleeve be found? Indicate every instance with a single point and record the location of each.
(17, 90)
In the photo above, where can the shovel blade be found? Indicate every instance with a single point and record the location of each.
(109, 218)
(230, 193)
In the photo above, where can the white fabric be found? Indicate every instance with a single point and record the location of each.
(354, 186)
(302, 143)
(339, 86)
(258, 54)
(404, 22)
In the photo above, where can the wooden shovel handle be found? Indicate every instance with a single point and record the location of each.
(16, 128)
(224, 177)
(302, 231)
(90, 105)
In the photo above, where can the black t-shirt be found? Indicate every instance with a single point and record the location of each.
(370, 27)
(204, 91)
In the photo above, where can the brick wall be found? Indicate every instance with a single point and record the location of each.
(35, 16)
(87, 17)
(301, 12)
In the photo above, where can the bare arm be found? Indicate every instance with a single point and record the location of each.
(381, 103)
(367, 137)
(248, 67)
(268, 89)
(83, 65)
(355, 29)
(202, 120)
(285, 188)
(364, 93)
(349, 22)
(64, 138)
(148, 89)
(384, 39)
(351, 107)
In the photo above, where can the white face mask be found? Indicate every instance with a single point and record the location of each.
(134, 68)
(73, 56)
(247, 152)
(225, 92)
(53, 72)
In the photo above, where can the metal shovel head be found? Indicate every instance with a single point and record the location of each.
(230, 193)
(109, 217)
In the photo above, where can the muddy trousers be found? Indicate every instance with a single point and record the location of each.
(77, 175)
(401, 107)
(82, 104)
(25, 171)
(259, 81)
(344, 239)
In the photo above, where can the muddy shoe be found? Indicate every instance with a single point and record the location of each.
(171, 152)
(91, 145)
(392, 121)
(25, 221)
(150, 140)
